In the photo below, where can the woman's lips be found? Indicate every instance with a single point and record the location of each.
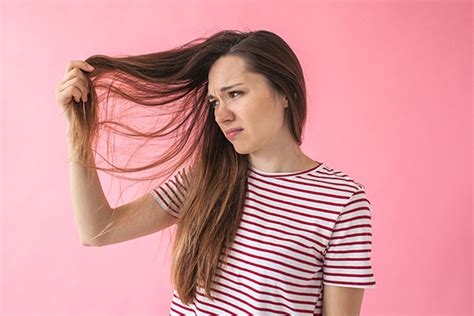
(232, 135)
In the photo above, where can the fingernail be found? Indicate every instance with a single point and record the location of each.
(91, 68)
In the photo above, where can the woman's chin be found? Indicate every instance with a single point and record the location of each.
(241, 150)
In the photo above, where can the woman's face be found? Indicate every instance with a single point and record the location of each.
(250, 104)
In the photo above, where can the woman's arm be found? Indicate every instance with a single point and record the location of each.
(342, 301)
(91, 208)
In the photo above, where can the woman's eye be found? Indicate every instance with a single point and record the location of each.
(212, 103)
(234, 92)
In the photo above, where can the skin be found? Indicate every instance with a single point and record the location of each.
(259, 110)
(342, 301)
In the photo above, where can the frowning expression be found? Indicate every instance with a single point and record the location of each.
(245, 100)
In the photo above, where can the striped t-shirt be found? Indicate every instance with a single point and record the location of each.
(299, 230)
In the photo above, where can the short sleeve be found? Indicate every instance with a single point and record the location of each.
(347, 260)
(170, 195)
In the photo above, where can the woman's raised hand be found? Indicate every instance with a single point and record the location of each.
(73, 85)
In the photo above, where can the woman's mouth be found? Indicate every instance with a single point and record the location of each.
(233, 134)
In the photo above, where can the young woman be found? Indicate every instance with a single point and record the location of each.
(262, 228)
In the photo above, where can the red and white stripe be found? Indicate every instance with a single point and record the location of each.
(298, 231)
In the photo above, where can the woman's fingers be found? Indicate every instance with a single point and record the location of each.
(74, 84)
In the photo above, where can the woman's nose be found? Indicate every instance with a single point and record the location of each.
(222, 113)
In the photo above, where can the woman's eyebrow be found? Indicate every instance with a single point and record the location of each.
(209, 96)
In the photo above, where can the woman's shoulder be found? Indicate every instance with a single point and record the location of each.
(344, 177)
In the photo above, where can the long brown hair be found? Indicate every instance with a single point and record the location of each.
(176, 80)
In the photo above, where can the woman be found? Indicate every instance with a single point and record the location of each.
(261, 227)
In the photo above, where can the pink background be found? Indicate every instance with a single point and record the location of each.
(390, 103)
